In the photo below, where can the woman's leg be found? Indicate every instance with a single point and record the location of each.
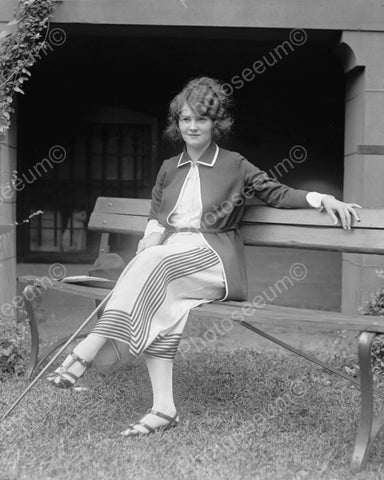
(87, 350)
(161, 376)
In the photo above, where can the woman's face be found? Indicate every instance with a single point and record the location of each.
(195, 129)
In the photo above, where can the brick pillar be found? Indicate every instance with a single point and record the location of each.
(7, 216)
(362, 54)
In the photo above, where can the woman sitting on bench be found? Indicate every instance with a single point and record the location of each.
(192, 251)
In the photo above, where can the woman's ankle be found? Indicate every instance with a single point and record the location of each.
(84, 354)
(89, 347)
(166, 408)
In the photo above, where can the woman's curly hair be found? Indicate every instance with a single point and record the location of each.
(205, 96)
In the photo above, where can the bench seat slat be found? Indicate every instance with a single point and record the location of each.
(63, 287)
(278, 316)
(271, 315)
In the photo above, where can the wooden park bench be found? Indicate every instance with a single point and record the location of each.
(266, 226)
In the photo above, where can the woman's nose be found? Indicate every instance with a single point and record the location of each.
(193, 125)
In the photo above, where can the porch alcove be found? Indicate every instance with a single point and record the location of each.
(297, 101)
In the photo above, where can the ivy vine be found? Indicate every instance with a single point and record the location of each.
(21, 46)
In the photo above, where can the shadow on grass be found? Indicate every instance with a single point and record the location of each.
(243, 415)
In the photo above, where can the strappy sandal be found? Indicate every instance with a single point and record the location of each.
(63, 381)
(132, 432)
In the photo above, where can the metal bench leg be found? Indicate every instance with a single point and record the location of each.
(368, 428)
(31, 292)
(34, 362)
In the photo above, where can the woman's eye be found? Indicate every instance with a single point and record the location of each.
(203, 119)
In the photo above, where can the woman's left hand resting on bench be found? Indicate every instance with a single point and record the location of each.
(149, 241)
(344, 210)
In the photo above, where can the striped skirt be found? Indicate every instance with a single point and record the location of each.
(149, 307)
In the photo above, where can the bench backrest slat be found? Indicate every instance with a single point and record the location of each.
(115, 223)
(124, 206)
(331, 239)
(261, 225)
(370, 217)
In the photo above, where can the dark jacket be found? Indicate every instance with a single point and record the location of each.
(227, 180)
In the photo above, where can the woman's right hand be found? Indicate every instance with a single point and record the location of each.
(149, 241)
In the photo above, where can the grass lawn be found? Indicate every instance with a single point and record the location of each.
(243, 416)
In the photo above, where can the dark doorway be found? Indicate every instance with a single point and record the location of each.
(103, 97)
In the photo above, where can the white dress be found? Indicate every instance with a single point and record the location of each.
(149, 307)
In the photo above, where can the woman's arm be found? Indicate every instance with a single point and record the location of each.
(270, 190)
(274, 193)
(154, 229)
(157, 191)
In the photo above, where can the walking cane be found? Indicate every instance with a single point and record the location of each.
(84, 324)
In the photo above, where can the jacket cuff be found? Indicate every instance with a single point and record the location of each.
(153, 226)
(315, 198)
